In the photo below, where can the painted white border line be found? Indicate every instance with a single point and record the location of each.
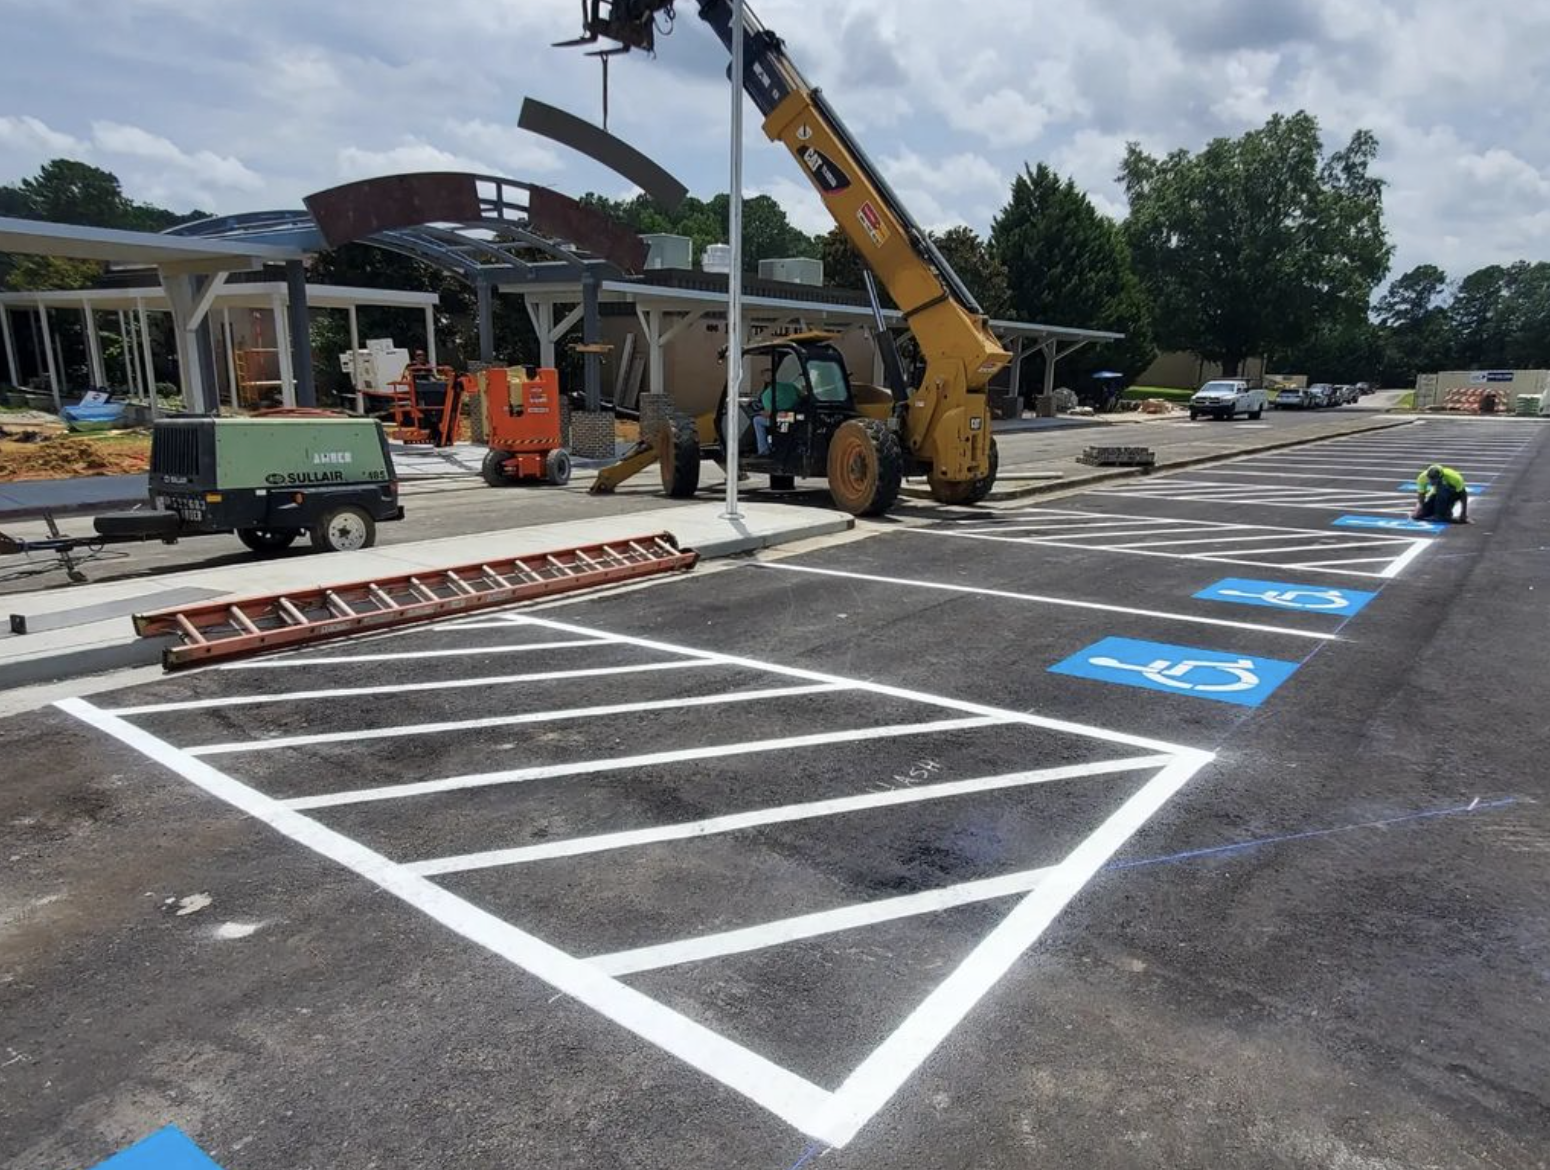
(1405, 558)
(356, 736)
(785, 930)
(400, 688)
(1067, 602)
(997, 714)
(894, 1061)
(1137, 552)
(777, 815)
(591, 767)
(791, 1098)
(1237, 526)
(405, 655)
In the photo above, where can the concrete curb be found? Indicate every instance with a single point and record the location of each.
(104, 641)
(1049, 487)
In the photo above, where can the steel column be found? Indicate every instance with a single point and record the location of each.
(11, 364)
(48, 357)
(300, 328)
(591, 329)
(735, 276)
(486, 322)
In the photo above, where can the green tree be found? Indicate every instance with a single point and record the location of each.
(1526, 316)
(1250, 245)
(1415, 321)
(767, 233)
(1067, 264)
(842, 264)
(1349, 350)
(980, 269)
(1477, 323)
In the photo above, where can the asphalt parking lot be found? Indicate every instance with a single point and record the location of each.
(1188, 821)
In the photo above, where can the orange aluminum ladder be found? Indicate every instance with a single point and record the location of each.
(227, 629)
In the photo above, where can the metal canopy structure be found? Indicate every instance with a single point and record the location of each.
(192, 273)
(133, 303)
(667, 302)
(513, 232)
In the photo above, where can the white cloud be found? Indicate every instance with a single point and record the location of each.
(220, 170)
(411, 154)
(27, 135)
(193, 105)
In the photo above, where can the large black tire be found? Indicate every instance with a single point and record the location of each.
(866, 467)
(1254, 415)
(344, 529)
(493, 469)
(678, 451)
(557, 466)
(1193, 415)
(974, 491)
(268, 542)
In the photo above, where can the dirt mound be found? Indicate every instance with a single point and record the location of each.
(32, 454)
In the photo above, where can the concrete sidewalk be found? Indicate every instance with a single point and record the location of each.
(108, 642)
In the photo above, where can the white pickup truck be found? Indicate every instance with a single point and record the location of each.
(1226, 397)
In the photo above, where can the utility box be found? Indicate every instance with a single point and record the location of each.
(717, 258)
(793, 270)
(665, 251)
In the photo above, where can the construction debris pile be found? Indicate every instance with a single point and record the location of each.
(28, 453)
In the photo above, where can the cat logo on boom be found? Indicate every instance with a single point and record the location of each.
(830, 178)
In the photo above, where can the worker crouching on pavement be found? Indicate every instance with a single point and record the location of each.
(1437, 489)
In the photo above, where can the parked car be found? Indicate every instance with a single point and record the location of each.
(1292, 398)
(1364, 388)
(1226, 397)
(1321, 394)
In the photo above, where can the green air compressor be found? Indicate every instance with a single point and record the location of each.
(269, 480)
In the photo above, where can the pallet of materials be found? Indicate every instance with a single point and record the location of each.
(1117, 456)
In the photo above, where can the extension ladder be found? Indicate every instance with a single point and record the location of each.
(226, 629)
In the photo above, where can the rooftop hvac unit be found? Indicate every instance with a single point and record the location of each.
(794, 270)
(717, 258)
(666, 251)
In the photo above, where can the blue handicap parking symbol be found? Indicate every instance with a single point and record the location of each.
(166, 1149)
(1284, 595)
(1243, 679)
(1393, 523)
(1475, 489)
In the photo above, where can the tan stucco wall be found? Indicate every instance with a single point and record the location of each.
(1186, 371)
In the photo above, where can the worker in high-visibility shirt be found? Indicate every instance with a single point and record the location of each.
(1437, 489)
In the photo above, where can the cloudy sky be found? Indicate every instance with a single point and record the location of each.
(236, 105)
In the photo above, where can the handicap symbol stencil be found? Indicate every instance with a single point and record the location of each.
(1285, 595)
(1392, 523)
(169, 1148)
(1224, 677)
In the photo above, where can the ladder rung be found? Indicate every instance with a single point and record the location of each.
(460, 584)
(190, 631)
(241, 620)
(494, 576)
(423, 589)
(338, 604)
(290, 612)
(375, 592)
(562, 568)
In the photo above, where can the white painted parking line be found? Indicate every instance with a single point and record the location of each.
(649, 759)
(784, 930)
(357, 735)
(1068, 602)
(895, 1060)
(410, 655)
(1323, 476)
(1231, 543)
(793, 1099)
(997, 714)
(783, 814)
(1399, 565)
(401, 687)
(831, 1118)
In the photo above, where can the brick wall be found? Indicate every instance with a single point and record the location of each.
(592, 434)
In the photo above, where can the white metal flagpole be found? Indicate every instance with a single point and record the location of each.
(735, 276)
